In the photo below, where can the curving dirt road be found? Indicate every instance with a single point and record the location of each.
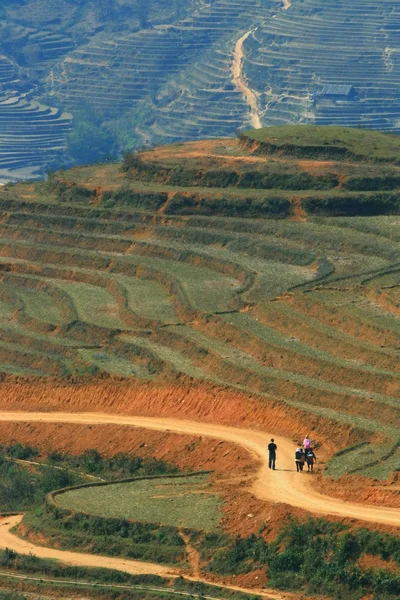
(283, 485)
(134, 567)
(241, 85)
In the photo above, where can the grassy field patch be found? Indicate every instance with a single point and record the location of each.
(93, 304)
(115, 365)
(358, 143)
(206, 289)
(41, 306)
(149, 299)
(182, 502)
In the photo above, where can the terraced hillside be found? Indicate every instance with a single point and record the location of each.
(125, 62)
(162, 72)
(31, 135)
(289, 60)
(183, 68)
(223, 263)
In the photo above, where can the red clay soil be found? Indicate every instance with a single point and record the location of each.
(375, 562)
(34, 535)
(312, 165)
(181, 399)
(298, 212)
(256, 578)
(362, 490)
(244, 514)
(212, 149)
(182, 450)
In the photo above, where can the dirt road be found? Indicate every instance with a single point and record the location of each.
(135, 567)
(240, 83)
(283, 485)
(79, 559)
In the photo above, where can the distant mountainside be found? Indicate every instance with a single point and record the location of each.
(292, 59)
(83, 80)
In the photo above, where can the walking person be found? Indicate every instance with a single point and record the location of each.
(310, 459)
(299, 459)
(306, 444)
(272, 448)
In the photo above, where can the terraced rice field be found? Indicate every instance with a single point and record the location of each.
(290, 58)
(182, 73)
(31, 135)
(303, 309)
(179, 501)
(122, 64)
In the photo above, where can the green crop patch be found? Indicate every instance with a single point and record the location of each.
(112, 364)
(93, 304)
(149, 299)
(205, 289)
(377, 462)
(40, 306)
(181, 502)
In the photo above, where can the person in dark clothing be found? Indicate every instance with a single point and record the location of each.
(299, 459)
(310, 459)
(272, 448)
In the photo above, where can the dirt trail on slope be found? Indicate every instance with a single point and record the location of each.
(241, 85)
(54, 467)
(284, 485)
(193, 554)
(134, 567)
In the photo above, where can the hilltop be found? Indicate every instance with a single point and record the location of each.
(331, 141)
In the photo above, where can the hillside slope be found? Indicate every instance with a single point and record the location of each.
(289, 60)
(218, 262)
(134, 73)
(122, 62)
